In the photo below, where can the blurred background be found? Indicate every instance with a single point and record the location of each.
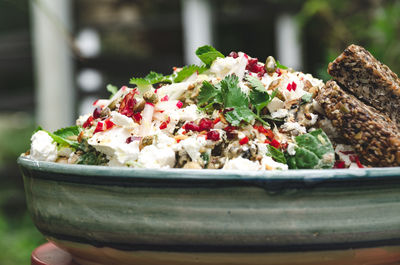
(57, 56)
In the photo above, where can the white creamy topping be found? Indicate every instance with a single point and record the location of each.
(113, 143)
(43, 148)
(153, 157)
(241, 163)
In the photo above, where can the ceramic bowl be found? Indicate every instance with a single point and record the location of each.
(105, 215)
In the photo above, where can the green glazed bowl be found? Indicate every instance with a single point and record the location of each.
(106, 215)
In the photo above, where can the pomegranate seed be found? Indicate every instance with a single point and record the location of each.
(95, 102)
(275, 143)
(109, 124)
(165, 98)
(88, 122)
(229, 132)
(137, 116)
(267, 141)
(266, 132)
(212, 135)
(191, 126)
(96, 113)
(234, 55)
(278, 71)
(179, 104)
(339, 164)
(244, 140)
(127, 104)
(206, 124)
(99, 127)
(217, 120)
(165, 124)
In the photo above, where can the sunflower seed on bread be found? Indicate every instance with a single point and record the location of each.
(368, 79)
(374, 136)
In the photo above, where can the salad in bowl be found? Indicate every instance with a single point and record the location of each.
(231, 112)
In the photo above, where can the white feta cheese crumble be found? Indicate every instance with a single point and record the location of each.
(122, 120)
(43, 148)
(281, 113)
(222, 67)
(275, 105)
(291, 149)
(241, 163)
(294, 127)
(113, 143)
(269, 164)
(192, 146)
(152, 157)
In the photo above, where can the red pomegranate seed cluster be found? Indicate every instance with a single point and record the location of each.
(96, 113)
(254, 67)
(270, 136)
(339, 164)
(229, 132)
(88, 122)
(213, 135)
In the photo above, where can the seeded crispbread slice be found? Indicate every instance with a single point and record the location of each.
(374, 136)
(371, 81)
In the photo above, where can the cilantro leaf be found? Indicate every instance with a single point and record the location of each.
(150, 79)
(209, 94)
(207, 54)
(112, 89)
(255, 83)
(281, 66)
(276, 154)
(188, 71)
(232, 94)
(239, 114)
(259, 100)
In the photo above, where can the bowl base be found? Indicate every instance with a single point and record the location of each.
(85, 254)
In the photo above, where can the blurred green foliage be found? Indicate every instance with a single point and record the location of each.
(332, 25)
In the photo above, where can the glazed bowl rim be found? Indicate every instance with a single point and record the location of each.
(210, 174)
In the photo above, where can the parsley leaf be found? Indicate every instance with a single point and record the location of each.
(150, 79)
(188, 71)
(281, 66)
(112, 89)
(207, 54)
(276, 154)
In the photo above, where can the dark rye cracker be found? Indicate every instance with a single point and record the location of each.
(373, 135)
(368, 79)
